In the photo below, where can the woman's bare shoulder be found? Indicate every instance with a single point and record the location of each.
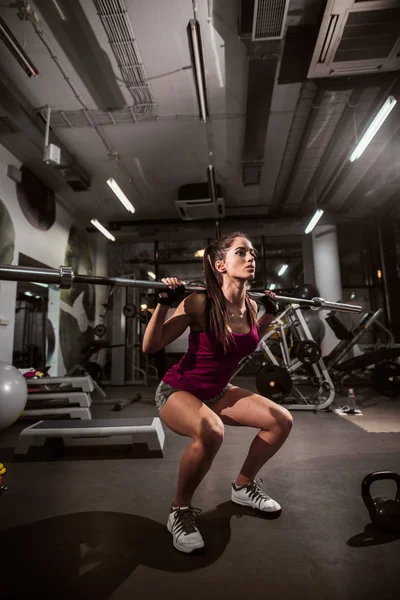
(196, 303)
(254, 304)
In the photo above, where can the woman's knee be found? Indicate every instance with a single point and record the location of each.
(284, 419)
(211, 431)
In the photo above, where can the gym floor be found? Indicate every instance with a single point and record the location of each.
(93, 525)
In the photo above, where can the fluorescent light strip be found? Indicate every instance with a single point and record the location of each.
(41, 284)
(120, 194)
(16, 50)
(314, 220)
(272, 286)
(59, 10)
(198, 69)
(151, 274)
(103, 230)
(373, 128)
(282, 270)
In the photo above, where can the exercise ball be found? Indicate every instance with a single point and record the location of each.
(315, 325)
(13, 394)
(308, 291)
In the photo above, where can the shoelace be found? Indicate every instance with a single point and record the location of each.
(256, 493)
(184, 521)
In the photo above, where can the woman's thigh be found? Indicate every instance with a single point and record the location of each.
(241, 407)
(186, 415)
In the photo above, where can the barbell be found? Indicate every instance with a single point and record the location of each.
(65, 278)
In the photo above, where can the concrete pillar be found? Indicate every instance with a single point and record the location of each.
(327, 275)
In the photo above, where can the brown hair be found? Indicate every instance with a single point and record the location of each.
(216, 311)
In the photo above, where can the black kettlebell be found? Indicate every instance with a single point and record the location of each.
(384, 513)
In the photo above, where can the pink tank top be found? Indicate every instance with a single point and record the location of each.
(205, 369)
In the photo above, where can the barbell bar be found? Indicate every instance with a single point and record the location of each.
(65, 278)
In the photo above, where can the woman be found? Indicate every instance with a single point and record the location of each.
(195, 398)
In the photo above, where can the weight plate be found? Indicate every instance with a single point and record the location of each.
(273, 382)
(386, 379)
(308, 352)
(100, 330)
(129, 310)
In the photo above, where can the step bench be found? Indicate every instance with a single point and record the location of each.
(80, 398)
(94, 432)
(84, 382)
(74, 412)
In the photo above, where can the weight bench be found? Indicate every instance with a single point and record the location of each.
(94, 432)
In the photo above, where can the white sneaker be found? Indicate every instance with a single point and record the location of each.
(185, 535)
(252, 495)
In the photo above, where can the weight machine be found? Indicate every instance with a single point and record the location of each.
(378, 366)
(295, 369)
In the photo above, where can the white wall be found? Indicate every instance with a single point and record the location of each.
(47, 247)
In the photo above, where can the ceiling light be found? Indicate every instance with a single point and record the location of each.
(151, 274)
(199, 253)
(16, 50)
(272, 286)
(41, 284)
(314, 220)
(120, 194)
(103, 229)
(59, 10)
(282, 270)
(373, 128)
(143, 306)
(198, 67)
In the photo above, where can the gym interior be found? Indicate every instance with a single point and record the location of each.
(132, 134)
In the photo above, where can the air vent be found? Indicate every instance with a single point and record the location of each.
(354, 40)
(194, 202)
(192, 210)
(75, 180)
(269, 19)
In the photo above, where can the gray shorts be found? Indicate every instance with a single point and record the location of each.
(164, 391)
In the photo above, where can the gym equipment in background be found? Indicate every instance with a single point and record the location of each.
(292, 364)
(55, 396)
(13, 394)
(376, 366)
(384, 512)
(95, 432)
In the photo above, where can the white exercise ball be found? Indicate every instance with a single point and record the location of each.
(13, 394)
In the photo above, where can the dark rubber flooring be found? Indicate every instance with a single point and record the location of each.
(92, 525)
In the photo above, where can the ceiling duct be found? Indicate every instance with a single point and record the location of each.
(357, 38)
(118, 27)
(201, 200)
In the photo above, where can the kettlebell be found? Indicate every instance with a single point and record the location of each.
(384, 513)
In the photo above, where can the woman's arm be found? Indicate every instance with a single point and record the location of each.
(159, 333)
(271, 310)
(263, 324)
